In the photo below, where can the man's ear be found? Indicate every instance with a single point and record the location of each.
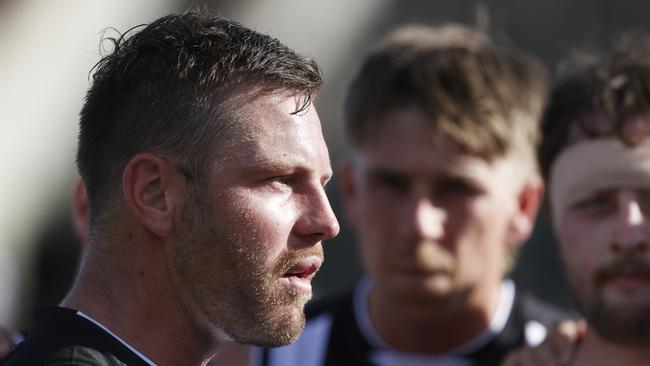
(529, 200)
(152, 190)
(80, 212)
(349, 190)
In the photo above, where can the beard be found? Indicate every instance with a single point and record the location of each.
(228, 279)
(618, 324)
(627, 324)
(269, 312)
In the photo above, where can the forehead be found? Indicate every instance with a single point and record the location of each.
(269, 132)
(406, 141)
(591, 166)
(599, 164)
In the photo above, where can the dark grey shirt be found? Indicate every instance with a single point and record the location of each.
(61, 336)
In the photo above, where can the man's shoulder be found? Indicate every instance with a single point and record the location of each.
(533, 318)
(60, 336)
(527, 323)
(532, 308)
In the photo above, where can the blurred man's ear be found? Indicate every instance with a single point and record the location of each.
(347, 179)
(154, 192)
(529, 200)
(80, 212)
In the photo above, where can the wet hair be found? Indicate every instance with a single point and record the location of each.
(595, 95)
(169, 89)
(485, 98)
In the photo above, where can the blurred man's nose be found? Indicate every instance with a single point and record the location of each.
(423, 219)
(632, 225)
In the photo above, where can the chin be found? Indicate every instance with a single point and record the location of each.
(629, 325)
(281, 329)
(432, 288)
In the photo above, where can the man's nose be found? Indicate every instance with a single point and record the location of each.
(424, 220)
(318, 222)
(631, 230)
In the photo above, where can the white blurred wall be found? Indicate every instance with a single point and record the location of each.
(47, 49)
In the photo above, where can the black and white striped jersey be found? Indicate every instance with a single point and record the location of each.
(339, 333)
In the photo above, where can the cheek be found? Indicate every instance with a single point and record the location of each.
(375, 225)
(478, 231)
(373, 198)
(478, 221)
(577, 253)
(260, 225)
(376, 216)
(580, 241)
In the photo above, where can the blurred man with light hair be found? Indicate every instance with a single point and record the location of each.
(441, 186)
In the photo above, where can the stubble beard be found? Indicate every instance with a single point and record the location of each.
(246, 300)
(627, 325)
(272, 313)
(616, 324)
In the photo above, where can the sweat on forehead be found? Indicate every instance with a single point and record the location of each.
(592, 166)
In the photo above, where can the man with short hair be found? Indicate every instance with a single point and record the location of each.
(595, 157)
(205, 167)
(441, 187)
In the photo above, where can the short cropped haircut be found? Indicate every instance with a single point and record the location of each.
(166, 89)
(485, 98)
(595, 95)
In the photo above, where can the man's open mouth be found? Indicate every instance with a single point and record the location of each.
(301, 273)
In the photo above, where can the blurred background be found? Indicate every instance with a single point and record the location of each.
(47, 49)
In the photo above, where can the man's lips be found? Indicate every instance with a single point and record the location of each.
(628, 281)
(305, 268)
(300, 274)
(626, 274)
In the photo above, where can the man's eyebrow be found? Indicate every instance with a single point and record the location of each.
(453, 176)
(294, 167)
(253, 161)
(444, 176)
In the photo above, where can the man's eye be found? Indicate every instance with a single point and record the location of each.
(278, 181)
(599, 202)
(392, 183)
(455, 187)
(281, 179)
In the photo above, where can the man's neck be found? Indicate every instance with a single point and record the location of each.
(433, 327)
(138, 304)
(595, 351)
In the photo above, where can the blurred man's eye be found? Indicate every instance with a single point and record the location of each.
(596, 204)
(390, 182)
(453, 187)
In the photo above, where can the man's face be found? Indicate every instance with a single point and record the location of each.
(600, 198)
(433, 223)
(251, 242)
